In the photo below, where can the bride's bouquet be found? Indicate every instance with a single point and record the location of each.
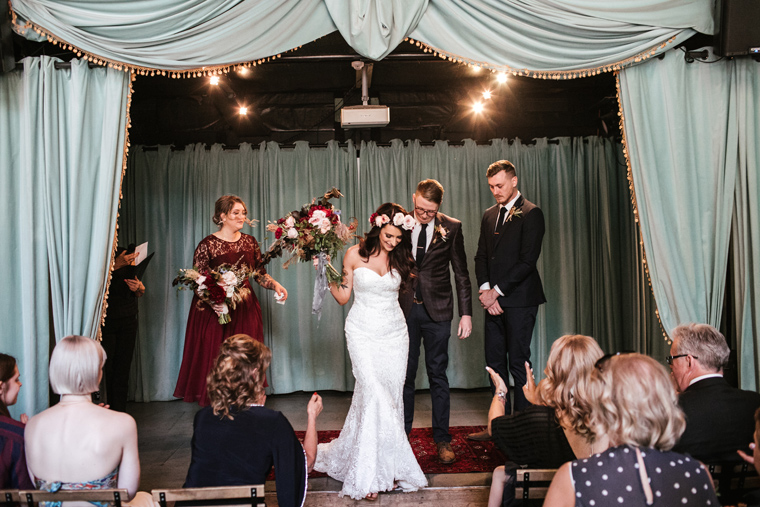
(221, 288)
(314, 231)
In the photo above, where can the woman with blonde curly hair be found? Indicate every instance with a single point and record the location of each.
(236, 440)
(555, 429)
(634, 404)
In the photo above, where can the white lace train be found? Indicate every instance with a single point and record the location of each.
(372, 450)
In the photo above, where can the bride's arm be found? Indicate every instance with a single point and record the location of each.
(342, 293)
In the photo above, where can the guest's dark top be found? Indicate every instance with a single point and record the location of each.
(122, 301)
(242, 451)
(612, 478)
(719, 420)
(532, 437)
(13, 471)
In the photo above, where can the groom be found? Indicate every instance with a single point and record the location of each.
(436, 242)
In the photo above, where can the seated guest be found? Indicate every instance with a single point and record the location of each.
(752, 499)
(719, 418)
(13, 472)
(236, 440)
(634, 404)
(76, 444)
(555, 429)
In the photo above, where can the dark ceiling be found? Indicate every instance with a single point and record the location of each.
(297, 96)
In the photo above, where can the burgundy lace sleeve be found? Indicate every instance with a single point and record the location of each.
(202, 255)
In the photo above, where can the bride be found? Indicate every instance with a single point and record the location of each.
(372, 453)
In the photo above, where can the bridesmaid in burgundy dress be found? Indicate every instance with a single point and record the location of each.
(204, 334)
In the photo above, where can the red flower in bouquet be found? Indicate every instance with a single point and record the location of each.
(221, 289)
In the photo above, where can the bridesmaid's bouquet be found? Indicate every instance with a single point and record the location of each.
(221, 288)
(313, 232)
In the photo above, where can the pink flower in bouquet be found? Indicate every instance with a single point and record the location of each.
(292, 233)
(325, 225)
(201, 281)
(316, 217)
(290, 222)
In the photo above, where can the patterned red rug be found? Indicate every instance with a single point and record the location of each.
(472, 456)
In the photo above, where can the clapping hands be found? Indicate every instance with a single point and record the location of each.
(314, 408)
(498, 382)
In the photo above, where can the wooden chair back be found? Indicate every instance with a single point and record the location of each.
(8, 497)
(223, 495)
(732, 481)
(531, 484)
(32, 497)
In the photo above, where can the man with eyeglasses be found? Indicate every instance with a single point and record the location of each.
(719, 418)
(437, 242)
(511, 234)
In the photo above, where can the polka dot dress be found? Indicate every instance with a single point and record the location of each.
(612, 478)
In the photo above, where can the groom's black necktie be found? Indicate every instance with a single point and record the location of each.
(502, 213)
(420, 247)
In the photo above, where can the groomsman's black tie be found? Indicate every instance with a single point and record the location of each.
(421, 243)
(502, 214)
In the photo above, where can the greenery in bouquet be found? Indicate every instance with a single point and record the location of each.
(314, 229)
(221, 288)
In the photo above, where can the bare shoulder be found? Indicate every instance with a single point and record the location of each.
(561, 491)
(351, 258)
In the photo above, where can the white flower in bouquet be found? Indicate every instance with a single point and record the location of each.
(200, 281)
(292, 232)
(289, 223)
(229, 279)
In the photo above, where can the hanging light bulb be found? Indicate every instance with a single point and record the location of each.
(477, 107)
(501, 77)
(243, 110)
(487, 94)
(214, 80)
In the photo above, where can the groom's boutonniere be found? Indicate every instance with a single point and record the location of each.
(440, 232)
(514, 212)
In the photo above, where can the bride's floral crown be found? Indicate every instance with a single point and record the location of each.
(407, 222)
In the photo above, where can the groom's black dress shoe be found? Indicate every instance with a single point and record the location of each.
(480, 436)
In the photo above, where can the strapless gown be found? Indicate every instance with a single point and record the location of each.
(372, 450)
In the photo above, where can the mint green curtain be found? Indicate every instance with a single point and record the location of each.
(61, 139)
(589, 263)
(745, 111)
(169, 200)
(532, 34)
(681, 140)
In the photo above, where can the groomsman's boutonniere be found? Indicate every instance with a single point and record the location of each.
(514, 212)
(440, 232)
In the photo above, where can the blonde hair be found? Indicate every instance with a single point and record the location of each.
(634, 402)
(567, 374)
(75, 365)
(237, 378)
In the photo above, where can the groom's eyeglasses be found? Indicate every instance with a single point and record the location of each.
(428, 212)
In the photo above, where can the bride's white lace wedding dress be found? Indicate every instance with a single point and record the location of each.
(372, 450)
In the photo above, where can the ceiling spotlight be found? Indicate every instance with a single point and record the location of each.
(501, 77)
(243, 110)
(487, 94)
(477, 107)
(214, 80)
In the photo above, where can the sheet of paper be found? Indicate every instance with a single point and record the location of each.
(142, 253)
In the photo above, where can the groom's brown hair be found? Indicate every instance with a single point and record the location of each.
(431, 190)
(501, 165)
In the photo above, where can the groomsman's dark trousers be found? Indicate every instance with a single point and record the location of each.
(435, 337)
(507, 345)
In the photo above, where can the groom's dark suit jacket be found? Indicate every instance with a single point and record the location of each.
(719, 420)
(508, 259)
(434, 278)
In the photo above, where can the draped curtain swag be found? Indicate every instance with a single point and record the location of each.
(62, 134)
(559, 39)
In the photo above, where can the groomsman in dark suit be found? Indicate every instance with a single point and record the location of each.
(437, 242)
(511, 233)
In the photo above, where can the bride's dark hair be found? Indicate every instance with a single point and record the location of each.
(400, 258)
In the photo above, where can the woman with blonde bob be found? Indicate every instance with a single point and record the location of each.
(555, 429)
(76, 444)
(634, 404)
(236, 440)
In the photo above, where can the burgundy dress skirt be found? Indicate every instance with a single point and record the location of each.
(204, 334)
